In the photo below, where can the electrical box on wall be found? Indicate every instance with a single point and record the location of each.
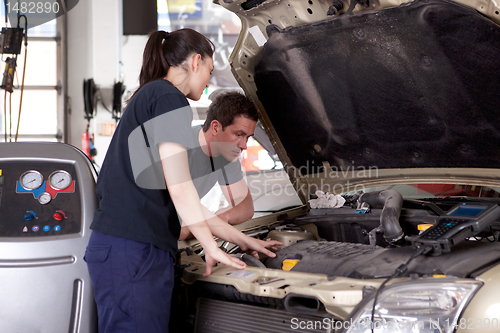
(11, 40)
(139, 17)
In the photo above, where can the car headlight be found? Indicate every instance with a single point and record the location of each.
(430, 306)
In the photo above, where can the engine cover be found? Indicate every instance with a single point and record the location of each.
(362, 261)
(331, 258)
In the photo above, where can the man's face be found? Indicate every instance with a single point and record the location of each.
(233, 139)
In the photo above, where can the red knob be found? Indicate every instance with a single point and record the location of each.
(59, 215)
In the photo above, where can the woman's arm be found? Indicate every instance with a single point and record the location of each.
(201, 222)
(227, 232)
(188, 206)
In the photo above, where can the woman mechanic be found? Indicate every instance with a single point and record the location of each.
(131, 251)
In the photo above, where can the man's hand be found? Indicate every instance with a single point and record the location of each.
(217, 255)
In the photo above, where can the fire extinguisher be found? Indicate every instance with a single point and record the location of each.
(86, 144)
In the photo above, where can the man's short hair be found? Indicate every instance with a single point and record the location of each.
(226, 107)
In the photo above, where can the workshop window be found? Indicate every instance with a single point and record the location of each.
(39, 112)
(221, 26)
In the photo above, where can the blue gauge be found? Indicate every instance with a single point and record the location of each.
(31, 180)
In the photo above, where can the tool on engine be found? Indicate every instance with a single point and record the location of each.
(462, 221)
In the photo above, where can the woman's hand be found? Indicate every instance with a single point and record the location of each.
(254, 246)
(217, 255)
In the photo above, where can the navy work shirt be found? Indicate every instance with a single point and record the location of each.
(133, 200)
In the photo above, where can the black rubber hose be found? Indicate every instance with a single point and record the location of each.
(391, 203)
(249, 259)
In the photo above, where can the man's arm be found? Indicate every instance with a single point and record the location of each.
(239, 211)
(240, 203)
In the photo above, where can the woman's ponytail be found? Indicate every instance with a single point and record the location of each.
(154, 64)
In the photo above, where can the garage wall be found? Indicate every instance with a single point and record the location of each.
(97, 49)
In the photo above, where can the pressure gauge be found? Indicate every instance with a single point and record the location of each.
(60, 180)
(31, 180)
(44, 198)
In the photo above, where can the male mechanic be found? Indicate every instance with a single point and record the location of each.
(231, 120)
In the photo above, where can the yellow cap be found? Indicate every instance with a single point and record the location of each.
(438, 276)
(288, 264)
(424, 226)
(0, 172)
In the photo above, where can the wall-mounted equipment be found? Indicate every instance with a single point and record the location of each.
(11, 40)
(10, 43)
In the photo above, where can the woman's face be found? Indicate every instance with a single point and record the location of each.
(200, 78)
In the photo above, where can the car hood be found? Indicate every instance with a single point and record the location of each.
(379, 85)
(382, 93)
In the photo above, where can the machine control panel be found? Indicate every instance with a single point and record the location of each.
(462, 221)
(38, 199)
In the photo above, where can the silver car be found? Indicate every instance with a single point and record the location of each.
(393, 109)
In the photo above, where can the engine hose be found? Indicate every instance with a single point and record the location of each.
(391, 203)
(250, 260)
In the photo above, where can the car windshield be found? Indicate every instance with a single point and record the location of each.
(420, 191)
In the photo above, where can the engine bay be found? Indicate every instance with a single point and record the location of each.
(334, 258)
(344, 242)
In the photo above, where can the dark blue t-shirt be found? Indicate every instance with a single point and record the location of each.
(133, 201)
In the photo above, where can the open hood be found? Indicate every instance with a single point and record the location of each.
(413, 86)
(397, 105)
